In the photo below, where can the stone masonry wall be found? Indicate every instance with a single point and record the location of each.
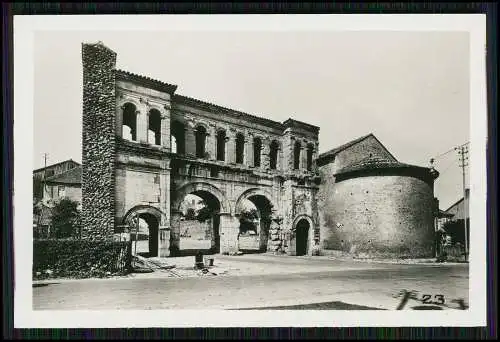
(369, 148)
(98, 141)
(379, 216)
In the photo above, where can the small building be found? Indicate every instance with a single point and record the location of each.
(67, 184)
(371, 204)
(46, 172)
(460, 209)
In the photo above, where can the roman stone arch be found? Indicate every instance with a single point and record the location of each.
(154, 218)
(302, 235)
(300, 217)
(202, 124)
(193, 188)
(254, 192)
(124, 99)
(143, 209)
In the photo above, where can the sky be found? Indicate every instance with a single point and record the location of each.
(410, 89)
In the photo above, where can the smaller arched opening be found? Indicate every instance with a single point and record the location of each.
(310, 150)
(240, 148)
(154, 127)
(273, 155)
(221, 145)
(200, 141)
(296, 155)
(177, 137)
(257, 147)
(129, 123)
(302, 229)
(144, 223)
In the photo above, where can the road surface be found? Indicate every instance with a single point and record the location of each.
(352, 284)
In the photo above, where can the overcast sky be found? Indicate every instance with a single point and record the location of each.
(411, 89)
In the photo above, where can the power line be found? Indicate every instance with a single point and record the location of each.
(445, 153)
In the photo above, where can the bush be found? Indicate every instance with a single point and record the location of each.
(66, 218)
(58, 258)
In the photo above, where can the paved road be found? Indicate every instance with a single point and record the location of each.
(369, 285)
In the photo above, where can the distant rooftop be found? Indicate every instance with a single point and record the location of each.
(56, 164)
(70, 177)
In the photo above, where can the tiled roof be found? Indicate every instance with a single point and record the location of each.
(380, 164)
(340, 148)
(49, 166)
(171, 88)
(147, 81)
(71, 176)
(233, 112)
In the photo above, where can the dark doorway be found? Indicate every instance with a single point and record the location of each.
(302, 237)
(145, 235)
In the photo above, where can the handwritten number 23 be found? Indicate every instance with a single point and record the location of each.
(426, 299)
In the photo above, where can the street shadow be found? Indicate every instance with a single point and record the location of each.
(335, 305)
(44, 284)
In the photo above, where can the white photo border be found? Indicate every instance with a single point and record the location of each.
(26, 25)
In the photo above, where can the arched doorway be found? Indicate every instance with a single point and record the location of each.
(196, 220)
(302, 237)
(254, 210)
(144, 223)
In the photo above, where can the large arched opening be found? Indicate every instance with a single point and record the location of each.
(144, 223)
(254, 210)
(196, 224)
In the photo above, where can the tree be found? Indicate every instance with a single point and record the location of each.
(247, 220)
(37, 189)
(456, 230)
(205, 213)
(249, 215)
(190, 214)
(66, 218)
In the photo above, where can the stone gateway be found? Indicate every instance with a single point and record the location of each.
(145, 148)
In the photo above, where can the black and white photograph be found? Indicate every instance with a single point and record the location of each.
(281, 170)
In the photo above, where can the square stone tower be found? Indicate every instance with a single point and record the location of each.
(98, 141)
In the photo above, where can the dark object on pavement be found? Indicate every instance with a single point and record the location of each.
(198, 261)
(210, 261)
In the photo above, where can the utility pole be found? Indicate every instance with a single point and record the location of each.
(43, 184)
(463, 152)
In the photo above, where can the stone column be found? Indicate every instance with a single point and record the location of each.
(303, 156)
(249, 150)
(119, 120)
(190, 145)
(229, 229)
(175, 231)
(142, 123)
(212, 142)
(288, 142)
(230, 146)
(279, 161)
(315, 157)
(164, 229)
(165, 127)
(264, 154)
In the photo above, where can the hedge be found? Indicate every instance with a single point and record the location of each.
(71, 258)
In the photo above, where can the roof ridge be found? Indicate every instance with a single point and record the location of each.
(228, 109)
(59, 175)
(63, 161)
(342, 147)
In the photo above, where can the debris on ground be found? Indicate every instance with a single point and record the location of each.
(144, 265)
